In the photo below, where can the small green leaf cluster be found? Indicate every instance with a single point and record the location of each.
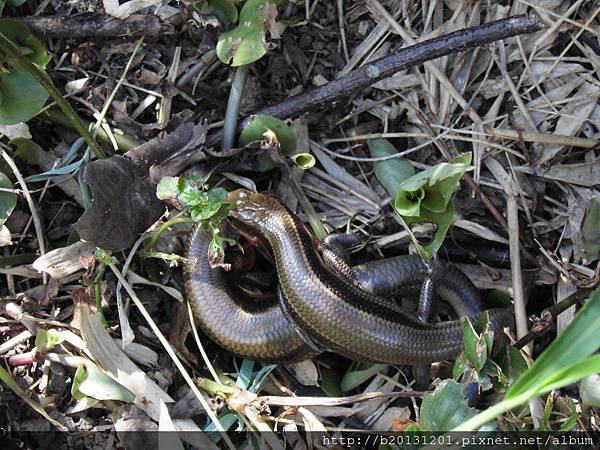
(193, 193)
(205, 205)
(21, 96)
(475, 363)
(569, 358)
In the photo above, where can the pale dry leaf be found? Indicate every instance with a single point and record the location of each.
(572, 118)
(148, 394)
(64, 261)
(5, 236)
(76, 85)
(305, 372)
(582, 174)
(479, 230)
(114, 9)
(18, 130)
(384, 423)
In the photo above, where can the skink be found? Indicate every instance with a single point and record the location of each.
(254, 331)
(335, 313)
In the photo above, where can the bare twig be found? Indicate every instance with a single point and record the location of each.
(95, 25)
(512, 207)
(544, 324)
(406, 57)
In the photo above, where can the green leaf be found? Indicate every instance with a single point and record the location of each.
(445, 407)
(589, 389)
(46, 340)
(90, 381)
(225, 11)
(358, 373)
(330, 382)
(590, 231)
(569, 350)
(475, 345)
(21, 97)
(30, 46)
(408, 203)
(545, 422)
(427, 197)
(246, 43)
(442, 222)
(304, 161)
(209, 205)
(245, 374)
(460, 365)
(28, 151)
(568, 375)
(392, 172)
(8, 200)
(69, 168)
(255, 130)
(572, 420)
(167, 188)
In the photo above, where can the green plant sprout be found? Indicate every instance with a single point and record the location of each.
(206, 206)
(422, 197)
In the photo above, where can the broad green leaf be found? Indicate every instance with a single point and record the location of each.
(90, 381)
(304, 161)
(167, 188)
(260, 124)
(427, 197)
(392, 172)
(225, 11)
(565, 376)
(590, 231)
(21, 97)
(246, 43)
(358, 373)
(513, 363)
(47, 339)
(204, 205)
(8, 200)
(31, 47)
(570, 349)
(589, 389)
(445, 407)
(28, 151)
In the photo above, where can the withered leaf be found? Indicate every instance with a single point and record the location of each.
(124, 204)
